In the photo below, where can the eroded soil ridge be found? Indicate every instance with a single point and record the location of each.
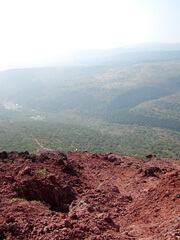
(82, 195)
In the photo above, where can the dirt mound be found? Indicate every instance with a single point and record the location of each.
(82, 195)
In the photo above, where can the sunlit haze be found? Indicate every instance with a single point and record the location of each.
(38, 32)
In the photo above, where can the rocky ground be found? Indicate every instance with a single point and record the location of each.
(82, 195)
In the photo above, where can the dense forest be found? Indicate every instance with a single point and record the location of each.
(127, 104)
(125, 140)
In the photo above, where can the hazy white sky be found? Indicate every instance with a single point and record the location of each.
(35, 31)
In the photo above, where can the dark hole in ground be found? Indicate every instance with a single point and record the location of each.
(56, 196)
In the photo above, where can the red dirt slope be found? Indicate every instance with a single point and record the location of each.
(82, 195)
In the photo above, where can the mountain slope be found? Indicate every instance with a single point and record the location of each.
(130, 90)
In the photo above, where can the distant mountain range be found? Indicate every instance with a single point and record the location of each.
(99, 56)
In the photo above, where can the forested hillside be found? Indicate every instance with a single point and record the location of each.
(129, 104)
(123, 139)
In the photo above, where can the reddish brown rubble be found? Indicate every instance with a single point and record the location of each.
(82, 195)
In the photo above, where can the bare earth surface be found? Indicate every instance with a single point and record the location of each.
(82, 195)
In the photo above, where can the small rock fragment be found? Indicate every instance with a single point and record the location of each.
(67, 224)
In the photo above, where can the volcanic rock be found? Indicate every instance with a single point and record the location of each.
(3, 155)
(82, 195)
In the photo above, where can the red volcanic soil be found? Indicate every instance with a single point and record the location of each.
(82, 195)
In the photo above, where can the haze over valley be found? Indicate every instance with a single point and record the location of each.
(73, 78)
(128, 104)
